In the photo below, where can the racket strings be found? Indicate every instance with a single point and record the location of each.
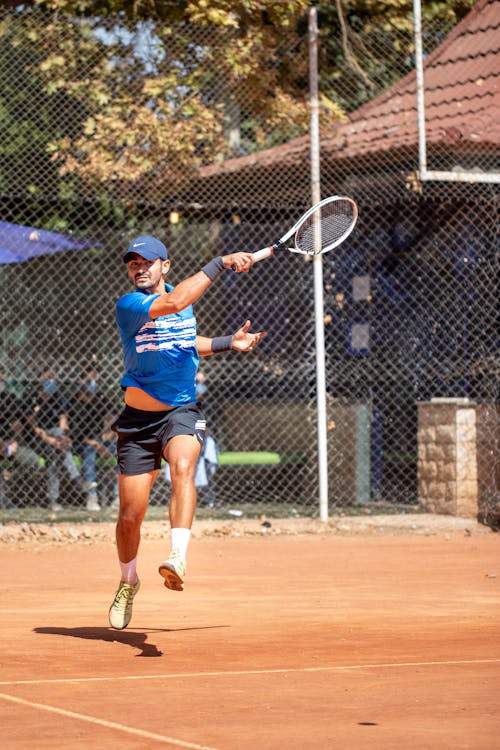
(326, 227)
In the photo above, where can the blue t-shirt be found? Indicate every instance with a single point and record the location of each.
(160, 356)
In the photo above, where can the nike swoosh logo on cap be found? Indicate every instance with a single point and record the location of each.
(138, 244)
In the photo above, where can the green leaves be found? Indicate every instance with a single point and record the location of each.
(154, 90)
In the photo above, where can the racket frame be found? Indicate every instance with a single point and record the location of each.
(281, 243)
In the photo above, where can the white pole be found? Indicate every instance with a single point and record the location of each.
(419, 77)
(424, 173)
(318, 272)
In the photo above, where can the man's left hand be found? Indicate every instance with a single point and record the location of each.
(243, 340)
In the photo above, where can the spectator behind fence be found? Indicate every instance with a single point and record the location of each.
(46, 413)
(89, 413)
(15, 452)
(9, 414)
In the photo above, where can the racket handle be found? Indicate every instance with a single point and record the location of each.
(260, 255)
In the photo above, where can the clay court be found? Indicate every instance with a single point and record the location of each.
(311, 640)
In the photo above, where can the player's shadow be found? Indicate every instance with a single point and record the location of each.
(131, 638)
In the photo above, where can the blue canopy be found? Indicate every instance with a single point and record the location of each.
(19, 243)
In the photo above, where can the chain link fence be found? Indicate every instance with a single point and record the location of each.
(110, 129)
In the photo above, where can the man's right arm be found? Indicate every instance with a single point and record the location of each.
(190, 290)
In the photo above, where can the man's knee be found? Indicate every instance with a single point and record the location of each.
(130, 517)
(182, 467)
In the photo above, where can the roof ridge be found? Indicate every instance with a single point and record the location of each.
(389, 120)
(473, 32)
(431, 62)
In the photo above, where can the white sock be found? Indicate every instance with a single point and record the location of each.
(179, 540)
(129, 574)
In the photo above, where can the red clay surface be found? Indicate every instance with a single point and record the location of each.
(278, 642)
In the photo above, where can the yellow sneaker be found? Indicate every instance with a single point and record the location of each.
(120, 611)
(173, 571)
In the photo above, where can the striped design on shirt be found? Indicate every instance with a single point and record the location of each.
(165, 333)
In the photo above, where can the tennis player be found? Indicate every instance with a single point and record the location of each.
(161, 417)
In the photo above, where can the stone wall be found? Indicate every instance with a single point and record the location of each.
(457, 443)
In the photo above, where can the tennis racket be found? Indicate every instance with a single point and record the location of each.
(324, 226)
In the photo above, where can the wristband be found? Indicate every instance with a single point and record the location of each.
(222, 344)
(214, 268)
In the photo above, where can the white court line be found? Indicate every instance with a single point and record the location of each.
(230, 673)
(108, 724)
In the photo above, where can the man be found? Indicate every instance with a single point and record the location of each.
(9, 415)
(46, 413)
(88, 412)
(162, 417)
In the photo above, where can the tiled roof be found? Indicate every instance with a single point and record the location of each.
(462, 102)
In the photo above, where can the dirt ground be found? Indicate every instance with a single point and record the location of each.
(359, 634)
(377, 525)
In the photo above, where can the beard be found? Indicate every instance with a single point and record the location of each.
(144, 282)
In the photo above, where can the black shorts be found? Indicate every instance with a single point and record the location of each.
(143, 435)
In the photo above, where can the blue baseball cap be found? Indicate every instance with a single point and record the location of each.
(147, 247)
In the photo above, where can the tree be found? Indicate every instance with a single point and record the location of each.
(155, 90)
(161, 97)
(367, 45)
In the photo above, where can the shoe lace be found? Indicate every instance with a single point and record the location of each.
(123, 598)
(177, 560)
